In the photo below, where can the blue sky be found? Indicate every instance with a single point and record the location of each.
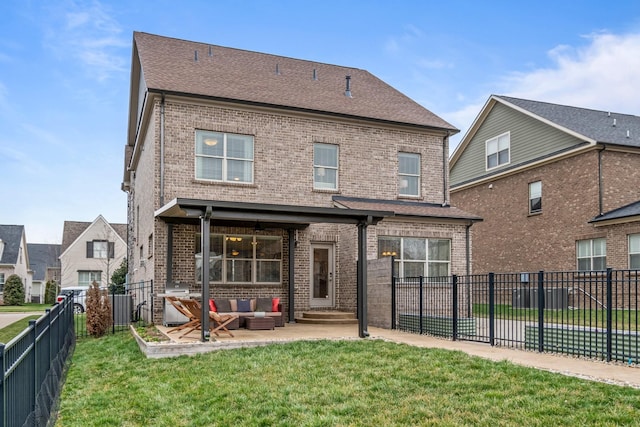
(64, 73)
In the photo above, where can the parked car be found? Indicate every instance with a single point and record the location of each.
(79, 294)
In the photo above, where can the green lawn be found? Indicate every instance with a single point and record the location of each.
(9, 332)
(322, 383)
(621, 319)
(24, 308)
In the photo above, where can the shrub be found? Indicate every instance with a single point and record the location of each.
(118, 279)
(51, 291)
(13, 291)
(98, 311)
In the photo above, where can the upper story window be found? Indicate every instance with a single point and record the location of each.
(224, 157)
(592, 254)
(417, 256)
(100, 249)
(535, 197)
(325, 166)
(408, 174)
(497, 150)
(634, 251)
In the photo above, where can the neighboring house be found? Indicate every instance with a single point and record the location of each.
(558, 187)
(14, 258)
(294, 169)
(44, 260)
(91, 251)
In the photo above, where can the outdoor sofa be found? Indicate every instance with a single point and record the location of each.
(248, 307)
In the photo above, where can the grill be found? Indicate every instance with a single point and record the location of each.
(171, 316)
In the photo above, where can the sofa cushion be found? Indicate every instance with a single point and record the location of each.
(264, 304)
(244, 305)
(234, 304)
(274, 304)
(223, 305)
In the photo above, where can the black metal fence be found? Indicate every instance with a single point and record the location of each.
(129, 304)
(591, 314)
(33, 364)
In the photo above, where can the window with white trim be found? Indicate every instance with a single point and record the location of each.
(1, 282)
(417, 256)
(634, 251)
(224, 157)
(86, 278)
(325, 166)
(241, 259)
(592, 254)
(408, 174)
(535, 197)
(497, 150)
(101, 249)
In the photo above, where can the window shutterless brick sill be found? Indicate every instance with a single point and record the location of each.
(326, 191)
(225, 183)
(535, 213)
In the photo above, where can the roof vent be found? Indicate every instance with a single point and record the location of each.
(347, 92)
(614, 122)
(210, 51)
(195, 56)
(277, 69)
(628, 133)
(315, 74)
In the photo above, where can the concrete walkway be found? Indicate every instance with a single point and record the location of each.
(611, 373)
(8, 318)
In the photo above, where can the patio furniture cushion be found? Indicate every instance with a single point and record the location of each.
(264, 304)
(223, 305)
(244, 305)
(212, 305)
(234, 304)
(274, 304)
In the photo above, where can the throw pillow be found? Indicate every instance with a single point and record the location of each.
(253, 304)
(234, 304)
(264, 304)
(274, 304)
(212, 305)
(223, 305)
(244, 305)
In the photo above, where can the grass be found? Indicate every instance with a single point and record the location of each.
(28, 307)
(320, 383)
(11, 331)
(621, 319)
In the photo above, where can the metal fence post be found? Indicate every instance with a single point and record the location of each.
(3, 392)
(421, 305)
(393, 293)
(492, 313)
(455, 306)
(34, 349)
(113, 309)
(609, 313)
(541, 311)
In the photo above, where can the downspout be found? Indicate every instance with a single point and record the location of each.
(600, 203)
(162, 151)
(468, 247)
(445, 141)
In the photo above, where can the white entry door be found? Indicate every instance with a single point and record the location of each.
(322, 275)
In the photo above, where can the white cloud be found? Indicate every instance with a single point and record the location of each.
(89, 34)
(601, 75)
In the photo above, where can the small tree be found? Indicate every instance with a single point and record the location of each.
(98, 311)
(119, 278)
(13, 291)
(51, 291)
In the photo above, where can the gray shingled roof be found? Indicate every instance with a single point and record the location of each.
(630, 210)
(41, 257)
(169, 65)
(593, 124)
(11, 236)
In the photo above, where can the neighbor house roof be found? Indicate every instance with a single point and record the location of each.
(41, 257)
(176, 66)
(11, 236)
(73, 229)
(406, 208)
(598, 126)
(627, 213)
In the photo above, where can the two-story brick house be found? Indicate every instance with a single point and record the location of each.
(286, 171)
(558, 187)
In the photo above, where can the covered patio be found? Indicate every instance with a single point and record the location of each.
(207, 213)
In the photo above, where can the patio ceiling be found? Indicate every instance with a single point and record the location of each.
(181, 210)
